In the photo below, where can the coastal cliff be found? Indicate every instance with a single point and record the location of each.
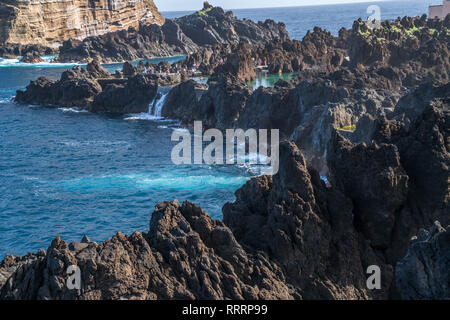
(51, 22)
(372, 115)
(180, 36)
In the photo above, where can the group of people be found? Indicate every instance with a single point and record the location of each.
(260, 62)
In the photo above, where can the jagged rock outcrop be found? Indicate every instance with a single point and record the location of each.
(213, 25)
(185, 255)
(182, 99)
(218, 107)
(306, 228)
(52, 22)
(423, 274)
(147, 41)
(134, 96)
(281, 54)
(75, 88)
(285, 237)
(379, 133)
(95, 90)
(14, 50)
(180, 36)
(239, 63)
(32, 57)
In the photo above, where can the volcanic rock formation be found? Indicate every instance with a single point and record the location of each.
(52, 22)
(286, 237)
(375, 124)
(180, 36)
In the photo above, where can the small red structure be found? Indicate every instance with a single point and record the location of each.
(206, 5)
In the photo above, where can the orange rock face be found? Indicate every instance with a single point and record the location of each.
(50, 22)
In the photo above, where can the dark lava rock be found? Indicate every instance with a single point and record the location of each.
(32, 57)
(75, 88)
(423, 274)
(13, 50)
(184, 35)
(134, 96)
(285, 237)
(97, 71)
(128, 70)
(182, 100)
(218, 106)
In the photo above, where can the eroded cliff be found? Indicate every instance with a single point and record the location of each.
(53, 21)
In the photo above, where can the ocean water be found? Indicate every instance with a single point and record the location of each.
(299, 20)
(69, 173)
(65, 172)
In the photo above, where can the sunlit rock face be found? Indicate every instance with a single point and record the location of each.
(50, 22)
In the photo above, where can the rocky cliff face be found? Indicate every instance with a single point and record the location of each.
(48, 22)
(175, 37)
(293, 236)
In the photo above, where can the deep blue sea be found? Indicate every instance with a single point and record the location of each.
(299, 20)
(69, 173)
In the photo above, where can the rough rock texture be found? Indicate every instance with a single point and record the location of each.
(50, 22)
(175, 37)
(424, 272)
(281, 53)
(75, 88)
(239, 63)
(372, 176)
(214, 25)
(94, 89)
(285, 237)
(31, 57)
(14, 50)
(218, 107)
(186, 255)
(377, 129)
(336, 88)
(133, 97)
(181, 98)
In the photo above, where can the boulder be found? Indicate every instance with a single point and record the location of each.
(76, 88)
(128, 70)
(133, 97)
(32, 57)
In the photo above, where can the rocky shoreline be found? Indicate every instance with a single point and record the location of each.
(369, 110)
(181, 36)
(286, 237)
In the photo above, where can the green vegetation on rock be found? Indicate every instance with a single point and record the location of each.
(348, 128)
(204, 12)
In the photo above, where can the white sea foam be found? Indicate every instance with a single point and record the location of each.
(46, 64)
(74, 110)
(156, 116)
(180, 129)
(146, 181)
(5, 100)
(141, 116)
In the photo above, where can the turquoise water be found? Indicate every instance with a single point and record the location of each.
(268, 80)
(69, 173)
